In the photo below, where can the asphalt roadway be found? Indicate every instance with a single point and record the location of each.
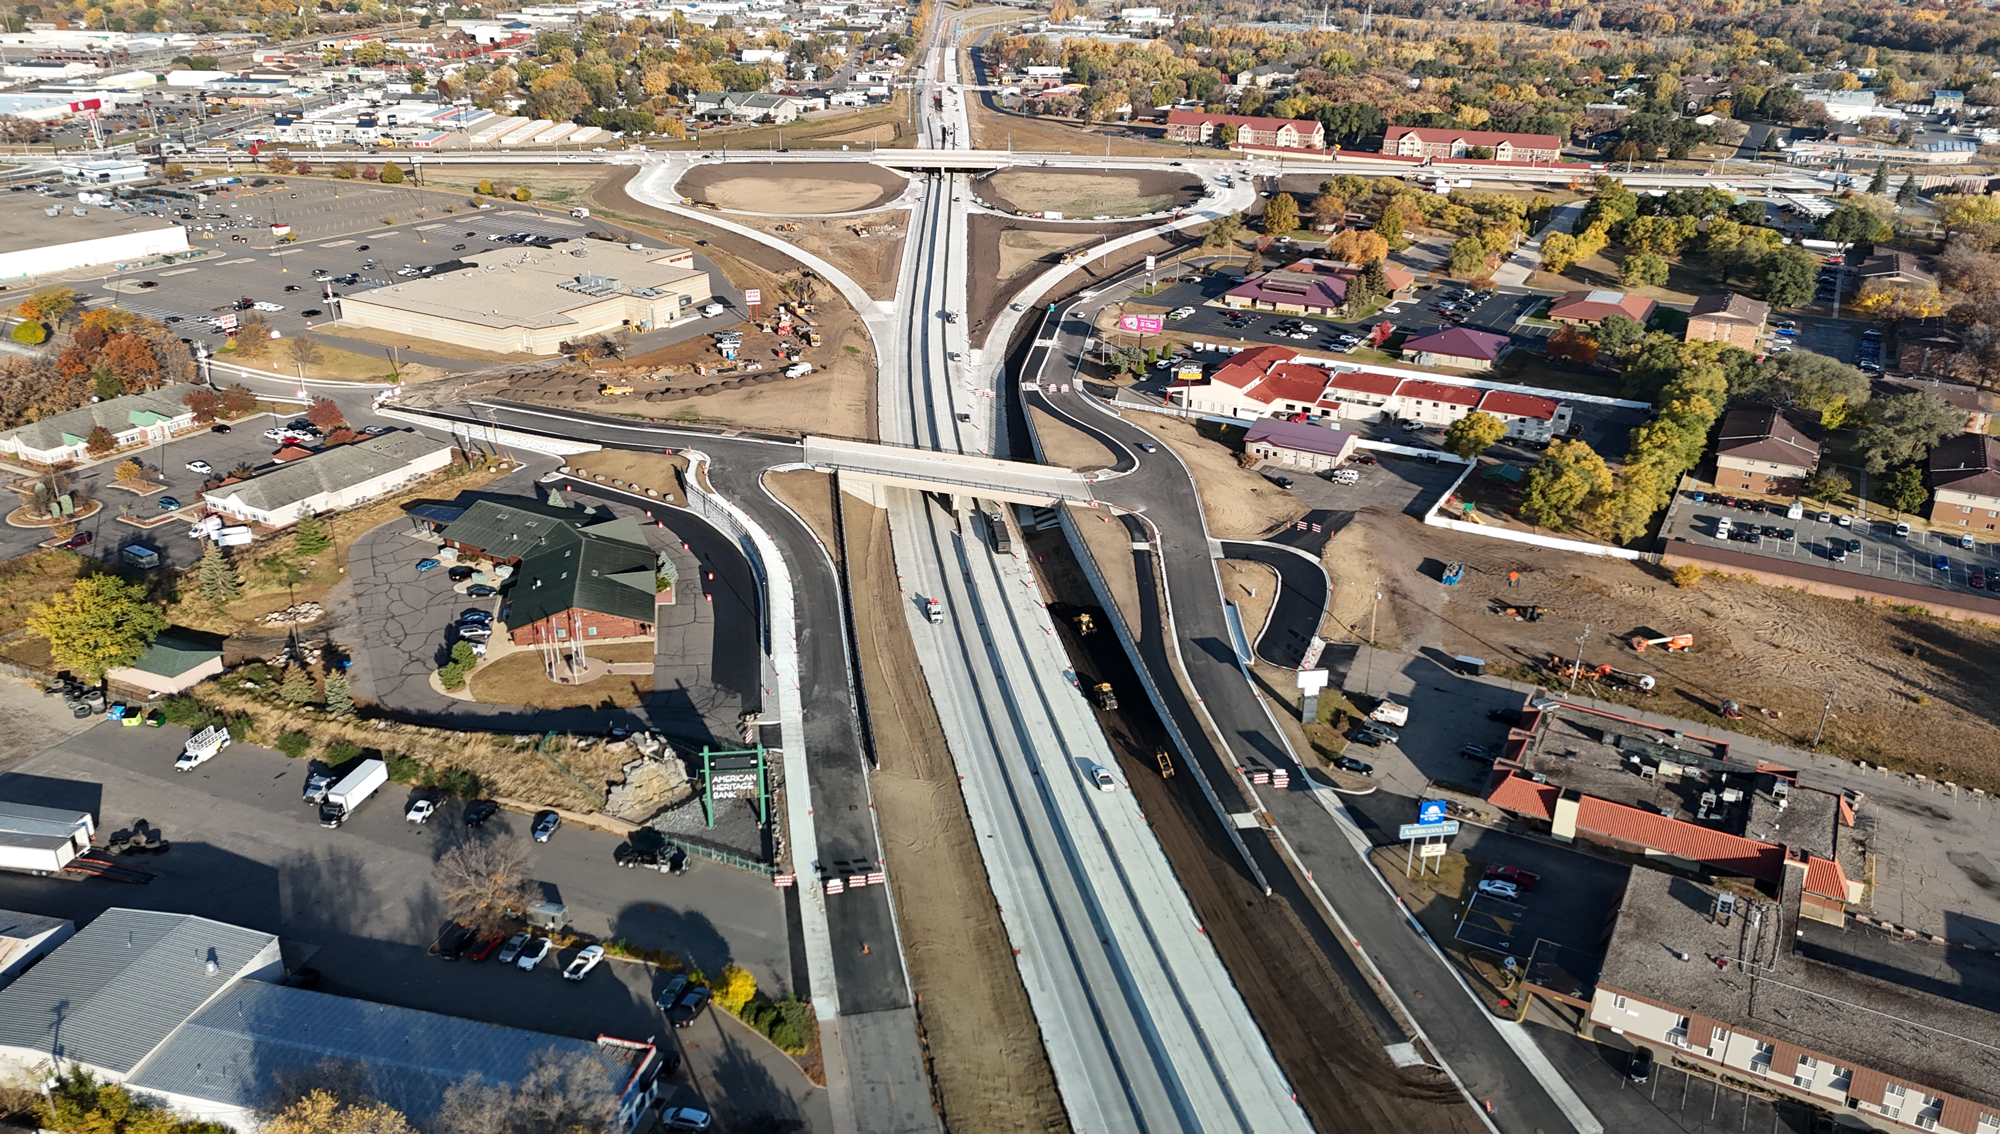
(1303, 592)
(884, 1063)
(1458, 1027)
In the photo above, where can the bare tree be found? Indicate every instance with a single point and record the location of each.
(799, 286)
(564, 1092)
(474, 1106)
(304, 350)
(483, 880)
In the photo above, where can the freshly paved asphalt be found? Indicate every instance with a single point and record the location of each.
(1303, 592)
(1163, 489)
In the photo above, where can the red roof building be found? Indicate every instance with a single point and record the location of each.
(1283, 133)
(1589, 308)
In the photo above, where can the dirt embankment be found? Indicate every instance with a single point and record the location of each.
(868, 248)
(1020, 250)
(987, 1060)
(793, 190)
(1910, 690)
(1113, 193)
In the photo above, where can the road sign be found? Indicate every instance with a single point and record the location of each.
(752, 296)
(1149, 263)
(1431, 850)
(1431, 811)
(1427, 830)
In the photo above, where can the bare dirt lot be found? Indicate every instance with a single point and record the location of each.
(1912, 691)
(1065, 444)
(1120, 193)
(1238, 503)
(987, 1060)
(794, 190)
(1024, 249)
(872, 260)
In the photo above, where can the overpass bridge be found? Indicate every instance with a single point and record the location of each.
(928, 470)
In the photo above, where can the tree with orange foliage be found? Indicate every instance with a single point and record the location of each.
(131, 359)
(1355, 246)
(1571, 345)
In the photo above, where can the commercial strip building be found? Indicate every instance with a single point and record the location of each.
(188, 1012)
(131, 419)
(340, 476)
(1676, 798)
(1728, 979)
(1299, 444)
(534, 300)
(1275, 381)
(40, 237)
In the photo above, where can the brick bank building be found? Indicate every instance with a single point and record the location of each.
(578, 576)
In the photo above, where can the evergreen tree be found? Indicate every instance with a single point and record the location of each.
(310, 535)
(297, 688)
(217, 578)
(339, 694)
(1879, 184)
(1907, 194)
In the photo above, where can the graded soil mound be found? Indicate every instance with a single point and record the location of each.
(793, 190)
(1116, 193)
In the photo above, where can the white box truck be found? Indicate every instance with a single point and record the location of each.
(353, 788)
(202, 747)
(1390, 713)
(42, 840)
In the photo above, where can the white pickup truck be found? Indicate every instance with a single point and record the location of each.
(202, 747)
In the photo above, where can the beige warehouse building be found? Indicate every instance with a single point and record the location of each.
(533, 300)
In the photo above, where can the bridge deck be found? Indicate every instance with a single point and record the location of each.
(930, 471)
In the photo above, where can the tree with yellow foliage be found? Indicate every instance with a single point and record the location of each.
(736, 989)
(321, 1113)
(1891, 301)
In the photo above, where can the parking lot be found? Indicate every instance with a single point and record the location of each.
(1671, 1101)
(1393, 484)
(1500, 312)
(360, 903)
(341, 236)
(1882, 553)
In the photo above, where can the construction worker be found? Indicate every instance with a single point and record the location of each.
(1513, 578)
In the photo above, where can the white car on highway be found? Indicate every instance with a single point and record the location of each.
(1101, 776)
(585, 960)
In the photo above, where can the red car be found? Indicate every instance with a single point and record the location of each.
(1514, 874)
(485, 948)
(80, 539)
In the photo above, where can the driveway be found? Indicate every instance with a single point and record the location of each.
(359, 902)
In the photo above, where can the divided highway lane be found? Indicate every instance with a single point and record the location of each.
(1458, 1029)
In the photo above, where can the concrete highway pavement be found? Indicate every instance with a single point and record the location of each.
(1527, 1096)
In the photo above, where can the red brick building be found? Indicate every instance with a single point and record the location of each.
(1200, 127)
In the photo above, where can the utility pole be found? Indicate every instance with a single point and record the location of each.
(1825, 715)
(1368, 671)
(1580, 640)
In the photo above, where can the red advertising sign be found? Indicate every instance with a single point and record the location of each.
(1144, 324)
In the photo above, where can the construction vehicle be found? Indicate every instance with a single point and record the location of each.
(934, 610)
(1085, 625)
(1731, 711)
(788, 226)
(614, 388)
(1166, 763)
(1521, 613)
(1675, 642)
(1106, 699)
(1643, 682)
(813, 338)
(1453, 572)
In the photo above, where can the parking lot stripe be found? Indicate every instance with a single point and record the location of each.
(180, 271)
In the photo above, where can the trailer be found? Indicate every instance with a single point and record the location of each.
(1003, 539)
(42, 840)
(353, 789)
(1453, 572)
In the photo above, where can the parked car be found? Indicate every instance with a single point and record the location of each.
(474, 633)
(585, 960)
(218, 428)
(546, 823)
(479, 811)
(202, 467)
(460, 573)
(424, 565)
(421, 811)
(481, 590)
(1976, 579)
(1640, 1068)
(532, 953)
(1377, 728)
(686, 1118)
(474, 616)
(689, 1008)
(1903, 530)
(80, 539)
(453, 941)
(672, 992)
(1367, 739)
(1494, 888)
(1478, 752)
(1520, 878)
(1350, 764)
(1941, 563)
(511, 951)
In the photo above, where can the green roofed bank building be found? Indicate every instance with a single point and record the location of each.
(192, 1014)
(131, 419)
(578, 576)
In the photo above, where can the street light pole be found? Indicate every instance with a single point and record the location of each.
(1825, 714)
(1580, 640)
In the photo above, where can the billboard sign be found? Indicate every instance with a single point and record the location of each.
(752, 296)
(1430, 811)
(1144, 324)
(1149, 263)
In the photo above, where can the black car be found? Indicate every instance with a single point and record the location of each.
(1350, 764)
(1367, 738)
(479, 811)
(460, 574)
(1641, 1067)
(688, 1008)
(218, 429)
(481, 590)
(1510, 717)
(453, 940)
